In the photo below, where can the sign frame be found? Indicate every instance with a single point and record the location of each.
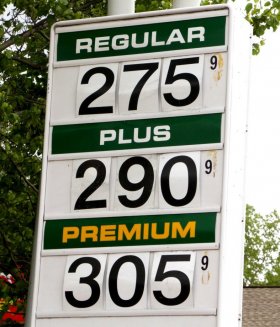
(232, 209)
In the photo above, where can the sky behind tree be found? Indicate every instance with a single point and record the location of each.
(263, 172)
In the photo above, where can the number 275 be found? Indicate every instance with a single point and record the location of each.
(139, 85)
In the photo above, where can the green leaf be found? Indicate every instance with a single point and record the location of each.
(248, 7)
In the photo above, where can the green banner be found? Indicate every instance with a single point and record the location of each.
(141, 38)
(130, 231)
(137, 134)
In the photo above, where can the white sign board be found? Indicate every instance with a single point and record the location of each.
(136, 198)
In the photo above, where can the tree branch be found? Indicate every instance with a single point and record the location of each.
(24, 178)
(41, 24)
(44, 36)
(21, 173)
(28, 63)
(7, 246)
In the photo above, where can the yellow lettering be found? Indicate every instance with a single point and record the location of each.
(146, 231)
(69, 233)
(162, 236)
(90, 232)
(129, 234)
(108, 233)
(178, 229)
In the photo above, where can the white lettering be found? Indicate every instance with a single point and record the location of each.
(136, 137)
(107, 136)
(154, 42)
(144, 44)
(196, 33)
(102, 43)
(123, 41)
(120, 42)
(83, 44)
(161, 133)
(121, 138)
(175, 36)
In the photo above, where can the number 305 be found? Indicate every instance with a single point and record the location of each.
(127, 279)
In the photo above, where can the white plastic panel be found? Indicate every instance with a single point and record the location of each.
(138, 88)
(59, 180)
(135, 182)
(96, 90)
(172, 280)
(126, 281)
(214, 80)
(83, 282)
(90, 184)
(63, 101)
(166, 321)
(211, 172)
(206, 279)
(181, 85)
(52, 275)
(179, 180)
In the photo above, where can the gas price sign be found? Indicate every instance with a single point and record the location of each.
(132, 194)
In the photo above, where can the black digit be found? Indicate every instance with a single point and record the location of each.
(204, 262)
(192, 79)
(146, 183)
(214, 62)
(151, 68)
(139, 283)
(85, 108)
(192, 181)
(208, 167)
(182, 277)
(88, 280)
(82, 202)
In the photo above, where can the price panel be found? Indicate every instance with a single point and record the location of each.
(132, 204)
(161, 181)
(141, 87)
(99, 283)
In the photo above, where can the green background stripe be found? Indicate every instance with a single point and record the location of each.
(185, 130)
(214, 36)
(205, 230)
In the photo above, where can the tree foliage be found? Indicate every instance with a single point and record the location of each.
(24, 42)
(262, 248)
(263, 16)
(24, 32)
